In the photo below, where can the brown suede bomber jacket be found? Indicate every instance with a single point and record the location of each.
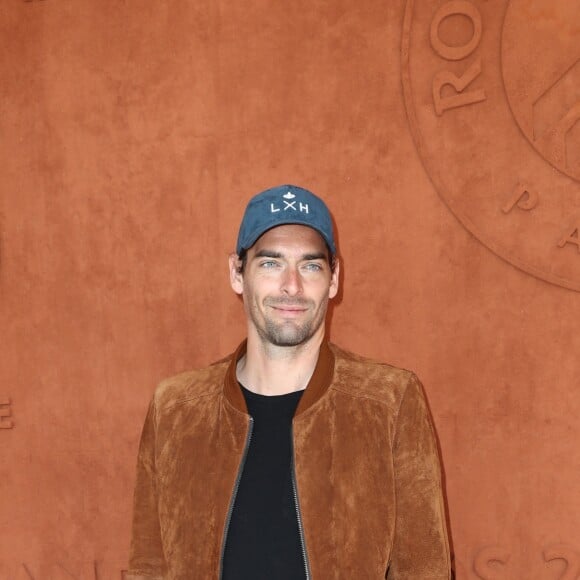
(366, 466)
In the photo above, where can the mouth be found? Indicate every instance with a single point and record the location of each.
(289, 310)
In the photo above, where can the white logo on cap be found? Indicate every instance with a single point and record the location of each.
(289, 205)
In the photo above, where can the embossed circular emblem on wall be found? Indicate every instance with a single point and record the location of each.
(492, 90)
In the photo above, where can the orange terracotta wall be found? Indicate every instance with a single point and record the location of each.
(445, 136)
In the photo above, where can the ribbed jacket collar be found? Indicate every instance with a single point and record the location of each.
(317, 386)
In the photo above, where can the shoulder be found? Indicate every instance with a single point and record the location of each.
(363, 377)
(191, 385)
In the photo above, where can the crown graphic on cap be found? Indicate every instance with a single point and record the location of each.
(284, 204)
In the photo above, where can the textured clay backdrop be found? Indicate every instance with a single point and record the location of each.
(131, 135)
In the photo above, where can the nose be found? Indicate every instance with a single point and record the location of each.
(291, 282)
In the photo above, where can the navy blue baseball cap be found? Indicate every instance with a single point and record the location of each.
(285, 204)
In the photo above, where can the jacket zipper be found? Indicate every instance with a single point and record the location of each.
(298, 513)
(234, 494)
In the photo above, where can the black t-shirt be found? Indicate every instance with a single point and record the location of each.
(263, 539)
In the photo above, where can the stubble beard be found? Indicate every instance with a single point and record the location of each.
(290, 332)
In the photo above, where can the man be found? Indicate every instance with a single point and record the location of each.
(291, 459)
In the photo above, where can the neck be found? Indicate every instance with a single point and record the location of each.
(267, 369)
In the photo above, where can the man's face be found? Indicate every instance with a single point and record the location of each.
(286, 284)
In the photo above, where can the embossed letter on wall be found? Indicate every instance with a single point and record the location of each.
(6, 421)
(499, 563)
(493, 100)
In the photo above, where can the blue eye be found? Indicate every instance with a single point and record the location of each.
(313, 267)
(268, 264)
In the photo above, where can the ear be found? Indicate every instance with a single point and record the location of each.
(333, 290)
(236, 277)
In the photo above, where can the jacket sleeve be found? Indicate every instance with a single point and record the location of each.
(420, 547)
(146, 560)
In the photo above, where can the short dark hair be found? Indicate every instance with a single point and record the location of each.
(243, 258)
